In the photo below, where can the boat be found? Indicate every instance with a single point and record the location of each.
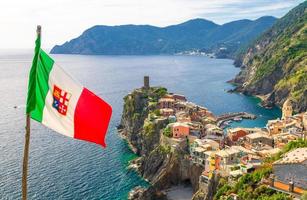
(237, 119)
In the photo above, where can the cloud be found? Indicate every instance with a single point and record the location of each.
(63, 20)
(252, 9)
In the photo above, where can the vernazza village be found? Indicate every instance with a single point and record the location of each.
(153, 100)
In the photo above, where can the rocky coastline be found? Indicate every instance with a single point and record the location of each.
(162, 163)
(184, 152)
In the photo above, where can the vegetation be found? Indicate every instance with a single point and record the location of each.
(248, 187)
(136, 116)
(142, 103)
(160, 92)
(164, 149)
(304, 196)
(157, 112)
(167, 132)
(149, 128)
(277, 61)
(235, 168)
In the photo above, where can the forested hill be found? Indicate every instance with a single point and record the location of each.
(275, 65)
(196, 34)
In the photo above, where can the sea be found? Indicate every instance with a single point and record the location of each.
(63, 168)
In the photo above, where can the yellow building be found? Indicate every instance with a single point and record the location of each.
(287, 109)
(212, 165)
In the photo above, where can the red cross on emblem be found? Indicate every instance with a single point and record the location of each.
(60, 100)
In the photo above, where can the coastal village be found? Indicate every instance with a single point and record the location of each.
(233, 152)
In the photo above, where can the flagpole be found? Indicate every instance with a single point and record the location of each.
(25, 159)
(27, 145)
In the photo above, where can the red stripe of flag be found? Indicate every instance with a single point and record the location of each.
(92, 117)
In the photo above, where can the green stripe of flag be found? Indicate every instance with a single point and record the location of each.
(32, 80)
(38, 83)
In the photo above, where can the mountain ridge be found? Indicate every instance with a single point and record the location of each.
(194, 34)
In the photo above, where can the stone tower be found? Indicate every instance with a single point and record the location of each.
(287, 109)
(146, 82)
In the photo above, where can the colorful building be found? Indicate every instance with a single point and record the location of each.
(234, 134)
(201, 149)
(180, 130)
(275, 126)
(258, 141)
(226, 157)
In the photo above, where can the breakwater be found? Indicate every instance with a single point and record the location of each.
(222, 119)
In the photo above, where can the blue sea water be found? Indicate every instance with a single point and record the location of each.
(62, 168)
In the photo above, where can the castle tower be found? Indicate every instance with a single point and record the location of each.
(146, 82)
(287, 109)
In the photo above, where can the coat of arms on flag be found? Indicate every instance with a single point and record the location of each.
(60, 100)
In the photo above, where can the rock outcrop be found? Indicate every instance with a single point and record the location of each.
(137, 106)
(209, 192)
(160, 163)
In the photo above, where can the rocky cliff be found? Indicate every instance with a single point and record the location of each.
(275, 65)
(142, 138)
(210, 191)
(159, 163)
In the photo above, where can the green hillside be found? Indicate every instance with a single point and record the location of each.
(276, 63)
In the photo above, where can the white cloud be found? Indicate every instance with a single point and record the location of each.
(63, 20)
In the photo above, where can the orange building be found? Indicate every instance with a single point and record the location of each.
(180, 130)
(236, 133)
(275, 126)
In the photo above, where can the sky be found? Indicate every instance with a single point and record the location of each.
(63, 20)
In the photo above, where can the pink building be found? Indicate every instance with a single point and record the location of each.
(180, 130)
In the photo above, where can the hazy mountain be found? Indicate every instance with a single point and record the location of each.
(194, 34)
(275, 65)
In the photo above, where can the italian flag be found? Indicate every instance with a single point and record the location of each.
(59, 102)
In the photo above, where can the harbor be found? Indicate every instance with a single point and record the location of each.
(225, 119)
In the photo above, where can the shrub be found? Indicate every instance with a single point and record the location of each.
(157, 112)
(149, 128)
(136, 116)
(223, 190)
(165, 149)
(167, 132)
(161, 92)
